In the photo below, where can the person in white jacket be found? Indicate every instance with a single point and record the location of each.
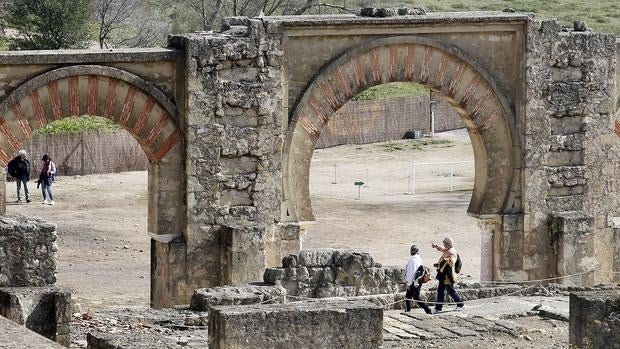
(413, 273)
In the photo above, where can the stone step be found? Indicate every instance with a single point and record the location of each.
(407, 328)
(411, 322)
(398, 332)
(432, 324)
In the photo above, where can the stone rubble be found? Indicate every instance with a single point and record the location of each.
(321, 273)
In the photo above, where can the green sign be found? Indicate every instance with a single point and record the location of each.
(359, 183)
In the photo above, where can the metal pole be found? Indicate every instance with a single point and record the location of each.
(432, 122)
(451, 177)
(335, 181)
(413, 179)
(359, 189)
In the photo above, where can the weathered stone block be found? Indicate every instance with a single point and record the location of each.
(512, 222)
(44, 310)
(27, 252)
(204, 298)
(234, 197)
(16, 336)
(297, 325)
(595, 320)
(316, 257)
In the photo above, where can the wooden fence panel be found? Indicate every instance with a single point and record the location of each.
(86, 153)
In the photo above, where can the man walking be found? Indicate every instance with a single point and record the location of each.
(19, 168)
(446, 274)
(413, 273)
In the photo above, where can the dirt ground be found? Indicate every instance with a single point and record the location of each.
(104, 247)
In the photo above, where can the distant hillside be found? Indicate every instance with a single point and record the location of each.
(600, 15)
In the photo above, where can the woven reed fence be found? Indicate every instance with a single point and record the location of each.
(86, 153)
(359, 122)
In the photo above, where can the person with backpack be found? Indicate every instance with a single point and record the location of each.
(448, 267)
(416, 274)
(19, 168)
(46, 178)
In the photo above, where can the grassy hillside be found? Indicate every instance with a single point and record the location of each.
(601, 15)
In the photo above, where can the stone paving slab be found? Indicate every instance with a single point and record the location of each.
(476, 319)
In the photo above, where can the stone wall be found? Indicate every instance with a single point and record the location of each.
(568, 161)
(323, 273)
(27, 252)
(233, 165)
(594, 320)
(339, 324)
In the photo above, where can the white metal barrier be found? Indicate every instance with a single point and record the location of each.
(452, 164)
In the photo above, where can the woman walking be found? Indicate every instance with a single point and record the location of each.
(46, 178)
(413, 273)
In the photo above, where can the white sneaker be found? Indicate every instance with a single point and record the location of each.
(52, 202)
(45, 202)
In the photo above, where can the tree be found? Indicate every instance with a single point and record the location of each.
(149, 26)
(211, 11)
(50, 24)
(111, 15)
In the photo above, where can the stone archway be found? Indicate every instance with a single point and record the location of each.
(138, 107)
(442, 68)
(120, 96)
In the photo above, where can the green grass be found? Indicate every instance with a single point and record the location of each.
(391, 90)
(77, 124)
(600, 15)
(415, 144)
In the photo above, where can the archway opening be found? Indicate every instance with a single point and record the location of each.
(101, 209)
(412, 160)
(444, 70)
(148, 119)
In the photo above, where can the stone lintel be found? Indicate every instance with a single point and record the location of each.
(445, 18)
(88, 56)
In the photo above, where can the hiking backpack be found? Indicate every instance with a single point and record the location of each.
(458, 265)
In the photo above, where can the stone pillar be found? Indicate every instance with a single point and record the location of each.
(488, 226)
(570, 154)
(2, 190)
(234, 143)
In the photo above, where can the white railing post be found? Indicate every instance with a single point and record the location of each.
(335, 179)
(413, 179)
(451, 176)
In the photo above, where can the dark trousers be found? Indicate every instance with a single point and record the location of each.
(21, 181)
(441, 293)
(414, 293)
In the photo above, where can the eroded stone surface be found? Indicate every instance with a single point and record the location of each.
(28, 251)
(320, 273)
(297, 325)
(204, 298)
(44, 310)
(595, 319)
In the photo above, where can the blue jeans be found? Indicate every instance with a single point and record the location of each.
(47, 188)
(19, 187)
(441, 293)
